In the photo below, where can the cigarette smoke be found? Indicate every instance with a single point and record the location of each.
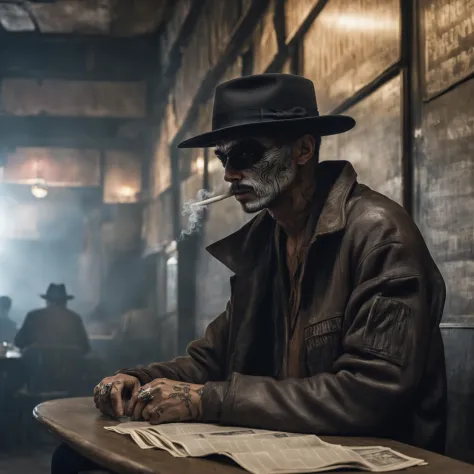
(195, 213)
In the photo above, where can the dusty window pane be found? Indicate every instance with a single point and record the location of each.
(449, 43)
(57, 166)
(446, 180)
(349, 45)
(374, 145)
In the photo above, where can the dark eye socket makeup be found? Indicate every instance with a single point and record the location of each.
(242, 155)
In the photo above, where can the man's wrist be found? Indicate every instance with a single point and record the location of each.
(212, 400)
(142, 377)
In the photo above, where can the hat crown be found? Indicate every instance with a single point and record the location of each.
(246, 97)
(267, 104)
(56, 292)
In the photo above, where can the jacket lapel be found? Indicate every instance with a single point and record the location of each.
(242, 250)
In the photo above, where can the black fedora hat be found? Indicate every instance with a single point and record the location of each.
(264, 103)
(56, 293)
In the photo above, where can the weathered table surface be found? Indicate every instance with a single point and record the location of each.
(77, 422)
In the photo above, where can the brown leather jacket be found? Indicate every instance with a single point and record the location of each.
(372, 300)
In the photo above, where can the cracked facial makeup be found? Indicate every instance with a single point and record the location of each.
(260, 171)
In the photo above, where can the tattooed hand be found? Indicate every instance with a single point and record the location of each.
(113, 396)
(164, 401)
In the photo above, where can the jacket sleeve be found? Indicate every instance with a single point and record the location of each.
(23, 337)
(383, 354)
(205, 361)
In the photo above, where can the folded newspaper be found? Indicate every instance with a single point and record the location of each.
(262, 451)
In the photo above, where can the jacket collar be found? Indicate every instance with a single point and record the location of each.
(241, 250)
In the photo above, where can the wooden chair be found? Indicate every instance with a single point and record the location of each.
(51, 372)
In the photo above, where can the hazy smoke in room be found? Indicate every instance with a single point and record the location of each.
(29, 263)
(194, 208)
(195, 214)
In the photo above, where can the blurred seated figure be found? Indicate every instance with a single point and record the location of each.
(7, 326)
(54, 325)
(136, 337)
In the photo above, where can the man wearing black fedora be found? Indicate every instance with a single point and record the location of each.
(332, 326)
(54, 325)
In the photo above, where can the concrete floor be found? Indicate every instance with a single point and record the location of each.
(36, 461)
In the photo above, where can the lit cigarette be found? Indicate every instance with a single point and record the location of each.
(212, 200)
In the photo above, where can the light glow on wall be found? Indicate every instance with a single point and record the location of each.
(359, 22)
(214, 165)
(127, 193)
(197, 166)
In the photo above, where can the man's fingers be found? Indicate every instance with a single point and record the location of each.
(96, 396)
(146, 413)
(146, 394)
(133, 399)
(103, 397)
(137, 410)
(110, 396)
(106, 409)
(116, 398)
(153, 411)
(164, 413)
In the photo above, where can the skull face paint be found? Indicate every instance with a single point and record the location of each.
(268, 171)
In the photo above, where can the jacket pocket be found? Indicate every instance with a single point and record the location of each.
(386, 333)
(322, 342)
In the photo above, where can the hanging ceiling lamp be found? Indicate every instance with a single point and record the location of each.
(39, 189)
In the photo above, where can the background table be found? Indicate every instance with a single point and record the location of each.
(77, 422)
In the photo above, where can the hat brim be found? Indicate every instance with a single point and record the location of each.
(67, 297)
(322, 125)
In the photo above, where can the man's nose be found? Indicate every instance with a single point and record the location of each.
(230, 174)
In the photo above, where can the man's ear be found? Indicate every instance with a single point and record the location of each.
(304, 149)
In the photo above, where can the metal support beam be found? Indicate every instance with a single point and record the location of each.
(30, 55)
(411, 103)
(77, 132)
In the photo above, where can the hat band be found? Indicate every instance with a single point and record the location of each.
(239, 117)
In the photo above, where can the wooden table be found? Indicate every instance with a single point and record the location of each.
(77, 422)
